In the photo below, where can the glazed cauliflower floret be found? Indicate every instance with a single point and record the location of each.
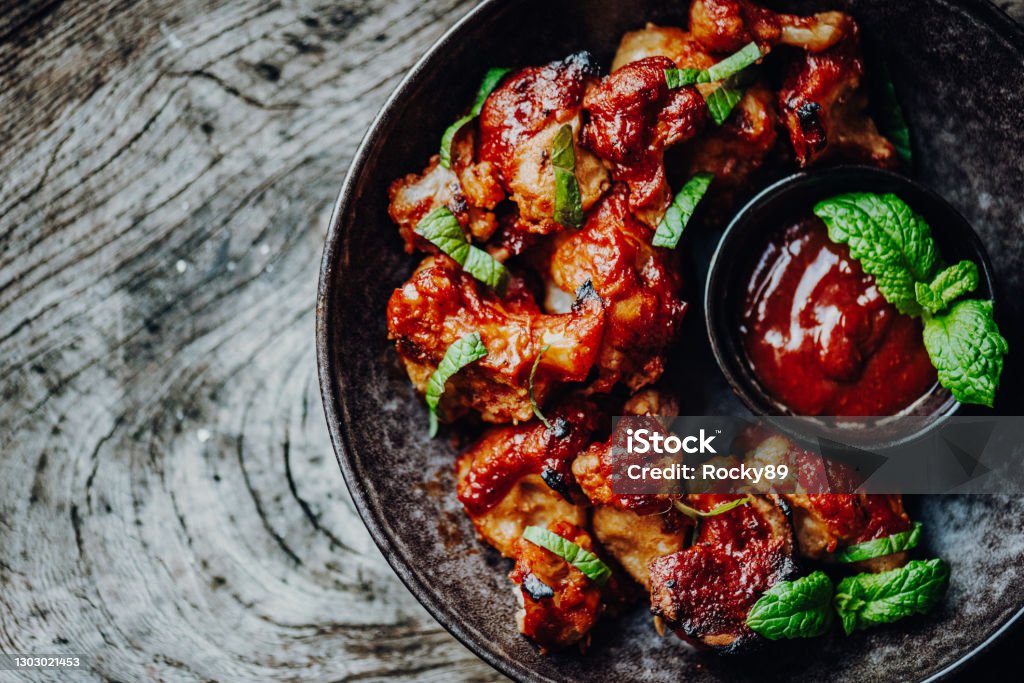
(727, 25)
(515, 477)
(518, 124)
(824, 107)
(441, 303)
(639, 283)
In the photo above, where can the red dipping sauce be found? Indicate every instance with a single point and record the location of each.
(820, 337)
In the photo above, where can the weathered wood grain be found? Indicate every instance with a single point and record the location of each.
(170, 507)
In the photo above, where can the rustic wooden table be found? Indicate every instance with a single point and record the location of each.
(170, 508)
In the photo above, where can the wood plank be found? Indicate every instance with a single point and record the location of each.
(169, 496)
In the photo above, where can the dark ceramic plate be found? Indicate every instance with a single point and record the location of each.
(958, 68)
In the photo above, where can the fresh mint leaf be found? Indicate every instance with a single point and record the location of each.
(461, 353)
(948, 285)
(449, 136)
(723, 99)
(721, 102)
(891, 242)
(867, 600)
(730, 66)
(889, 115)
(679, 212)
(734, 63)
(967, 350)
(694, 513)
(587, 562)
(441, 228)
(563, 154)
(879, 547)
(485, 268)
(677, 78)
(794, 609)
(568, 204)
(487, 86)
(533, 401)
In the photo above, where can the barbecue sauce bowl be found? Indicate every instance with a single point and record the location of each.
(836, 348)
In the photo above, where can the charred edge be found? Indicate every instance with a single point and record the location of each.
(413, 352)
(809, 116)
(556, 482)
(584, 62)
(585, 293)
(743, 644)
(459, 205)
(560, 428)
(537, 589)
(784, 506)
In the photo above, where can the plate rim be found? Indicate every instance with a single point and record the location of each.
(331, 389)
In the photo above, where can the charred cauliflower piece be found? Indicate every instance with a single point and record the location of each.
(634, 540)
(828, 522)
(824, 108)
(633, 117)
(518, 125)
(559, 604)
(731, 152)
(515, 477)
(593, 471)
(441, 303)
(639, 283)
(633, 529)
(705, 591)
(469, 189)
(736, 149)
(727, 25)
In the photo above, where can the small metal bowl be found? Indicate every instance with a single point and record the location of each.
(791, 198)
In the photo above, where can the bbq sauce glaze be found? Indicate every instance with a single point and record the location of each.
(820, 337)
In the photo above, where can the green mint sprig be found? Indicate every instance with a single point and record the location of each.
(694, 513)
(734, 63)
(487, 86)
(533, 401)
(889, 114)
(803, 608)
(723, 99)
(949, 285)
(587, 562)
(462, 352)
(868, 600)
(677, 78)
(679, 212)
(794, 609)
(967, 350)
(891, 242)
(895, 245)
(879, 547)
(730, 66)
(568, 204)
(441, 228)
